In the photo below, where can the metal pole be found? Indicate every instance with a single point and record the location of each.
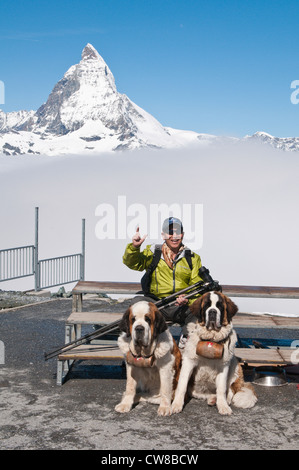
(82, 266)
(36, 267)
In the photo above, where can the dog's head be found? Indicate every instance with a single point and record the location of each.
(143, 322)
(214, 310)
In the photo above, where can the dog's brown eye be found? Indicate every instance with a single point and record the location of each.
(132, 320)
(148, 320)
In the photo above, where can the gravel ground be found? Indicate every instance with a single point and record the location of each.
(12, 299)
(36, 414)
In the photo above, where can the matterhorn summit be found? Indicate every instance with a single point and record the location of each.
(89, 52)
(87, 92)
(85, 112)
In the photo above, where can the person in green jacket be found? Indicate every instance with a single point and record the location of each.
(173, 272)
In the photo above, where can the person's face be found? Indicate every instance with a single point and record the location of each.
(173, 239)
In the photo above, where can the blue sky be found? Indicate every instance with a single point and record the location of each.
(212, 66)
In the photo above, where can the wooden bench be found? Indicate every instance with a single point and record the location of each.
(132, 288)
(104, 351)
(74, 323)
(246, 355)
(109, 350)
(100, 352)
(76, 320)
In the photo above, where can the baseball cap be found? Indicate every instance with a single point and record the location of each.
(172, 223)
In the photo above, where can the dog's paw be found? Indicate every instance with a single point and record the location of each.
(211, 400)
(123, 408)
(176, 407)
(224, 409)
(164, 410)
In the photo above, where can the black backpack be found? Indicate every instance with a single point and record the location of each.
(147, 277)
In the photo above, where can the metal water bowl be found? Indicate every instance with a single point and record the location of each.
(269, 376)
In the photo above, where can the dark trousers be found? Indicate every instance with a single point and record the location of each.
(180, 314)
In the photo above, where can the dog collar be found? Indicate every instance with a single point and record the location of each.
(140, 356)
(140, 361)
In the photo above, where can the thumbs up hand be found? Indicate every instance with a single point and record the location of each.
(137, 240)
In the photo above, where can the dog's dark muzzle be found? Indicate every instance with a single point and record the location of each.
(211, 322)
(139, 331)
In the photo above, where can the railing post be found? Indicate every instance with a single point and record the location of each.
(36, 266)
(82, 258)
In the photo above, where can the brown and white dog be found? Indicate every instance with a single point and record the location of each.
(209, 360)
(152, 358)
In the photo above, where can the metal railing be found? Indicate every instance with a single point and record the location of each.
(16, 262)
(57, 271)
(23, 261)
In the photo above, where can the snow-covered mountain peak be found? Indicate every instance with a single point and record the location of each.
(90, 53)
(94, 71)
(85, 112)
(80, 96)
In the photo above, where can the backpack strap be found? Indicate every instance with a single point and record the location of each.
(147, 277)
(189, 255)
(156, 259)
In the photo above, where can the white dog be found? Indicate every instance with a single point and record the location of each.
(153, 359)
(209, 360)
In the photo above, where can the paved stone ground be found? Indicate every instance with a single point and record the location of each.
(37, 414)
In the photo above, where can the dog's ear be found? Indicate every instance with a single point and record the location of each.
(197, 309)
(159, 322)
(231, 309)
(124, 324)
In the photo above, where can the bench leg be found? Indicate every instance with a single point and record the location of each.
(63, 368)
(72, 332)
(68, 333)
(78, 331)
(77, 303)
(59, 372)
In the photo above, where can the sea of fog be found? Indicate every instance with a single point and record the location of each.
(239, 204)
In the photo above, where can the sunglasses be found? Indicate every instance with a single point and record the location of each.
(174, 232)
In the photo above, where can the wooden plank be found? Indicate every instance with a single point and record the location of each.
(253, 321)
(261, 291)
(108, 352)
(265, 321)
(89, 318)
(239, 321)
(286, 322)
(258, 356)
(98, 287)
(286, 355)
(92, 351)
(95, 287)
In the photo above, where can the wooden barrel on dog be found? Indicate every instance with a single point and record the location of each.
(140, 361)
(209, 349)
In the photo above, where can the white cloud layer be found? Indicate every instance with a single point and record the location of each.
(249, 194)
